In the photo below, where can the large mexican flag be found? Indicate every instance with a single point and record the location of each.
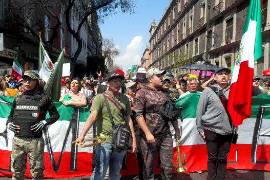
(239, 104)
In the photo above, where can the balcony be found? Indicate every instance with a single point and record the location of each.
(200, 23)
(217, 9)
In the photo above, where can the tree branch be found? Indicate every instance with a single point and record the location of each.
(92, 10)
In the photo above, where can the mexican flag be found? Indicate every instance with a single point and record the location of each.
(53, 85)
(45, 63)
(17, 69)
(239, 104)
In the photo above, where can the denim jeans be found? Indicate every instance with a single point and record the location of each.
(106, 158)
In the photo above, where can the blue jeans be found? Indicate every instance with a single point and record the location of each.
(105, 157)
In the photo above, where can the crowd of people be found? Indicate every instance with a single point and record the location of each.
(147, 106)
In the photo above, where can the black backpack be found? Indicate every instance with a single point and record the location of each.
(169, 111)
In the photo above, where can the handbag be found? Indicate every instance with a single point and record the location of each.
(121, 132)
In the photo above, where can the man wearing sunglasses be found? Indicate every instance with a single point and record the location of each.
(154, 129)
(27, 120)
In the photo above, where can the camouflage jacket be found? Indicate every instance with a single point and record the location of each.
(147, 103)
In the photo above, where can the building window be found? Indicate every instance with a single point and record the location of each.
(209, 39)
(169, 20)
(217, 62)
(228, 61)
(196, 46)
(164, 27)
(179, 5)
(46, 26)
(173, 38)
(184, 27)
(187, 50)
(164, 47)
(202, 14)
(174, 11)
(168, 43)
(190, 24)
(177, 33)
(229, 30)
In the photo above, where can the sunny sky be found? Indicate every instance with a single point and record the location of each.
(130, 32)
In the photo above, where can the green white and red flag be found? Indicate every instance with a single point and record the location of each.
(46, 64)
(17, 69)
(239, 103)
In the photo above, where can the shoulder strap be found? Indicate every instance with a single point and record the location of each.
(116, 103)
(109, 110)
(215, 89)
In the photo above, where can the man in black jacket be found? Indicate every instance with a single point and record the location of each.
(27, 120)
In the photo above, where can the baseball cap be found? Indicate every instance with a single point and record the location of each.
(130, 84)
(31, 74)
(222, 69)
(154, 71)
(118, 73)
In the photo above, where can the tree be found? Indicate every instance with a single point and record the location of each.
(85, 8)
(179, 60)
(109, 51)
(28, 18)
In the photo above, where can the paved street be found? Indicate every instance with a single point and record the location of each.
(231, 175)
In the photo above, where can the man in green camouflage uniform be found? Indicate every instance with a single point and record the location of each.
(26, 120)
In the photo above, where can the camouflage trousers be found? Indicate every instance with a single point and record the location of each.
(162, 148)
(22, 148)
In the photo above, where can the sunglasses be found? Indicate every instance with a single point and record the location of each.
(159, 75)
(166, 82)
(27, 79)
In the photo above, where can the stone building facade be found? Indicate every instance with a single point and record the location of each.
(21, 36)
(146, 59)
(204, 30)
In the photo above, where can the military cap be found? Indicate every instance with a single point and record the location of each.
(31, 74)
(154, 71)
